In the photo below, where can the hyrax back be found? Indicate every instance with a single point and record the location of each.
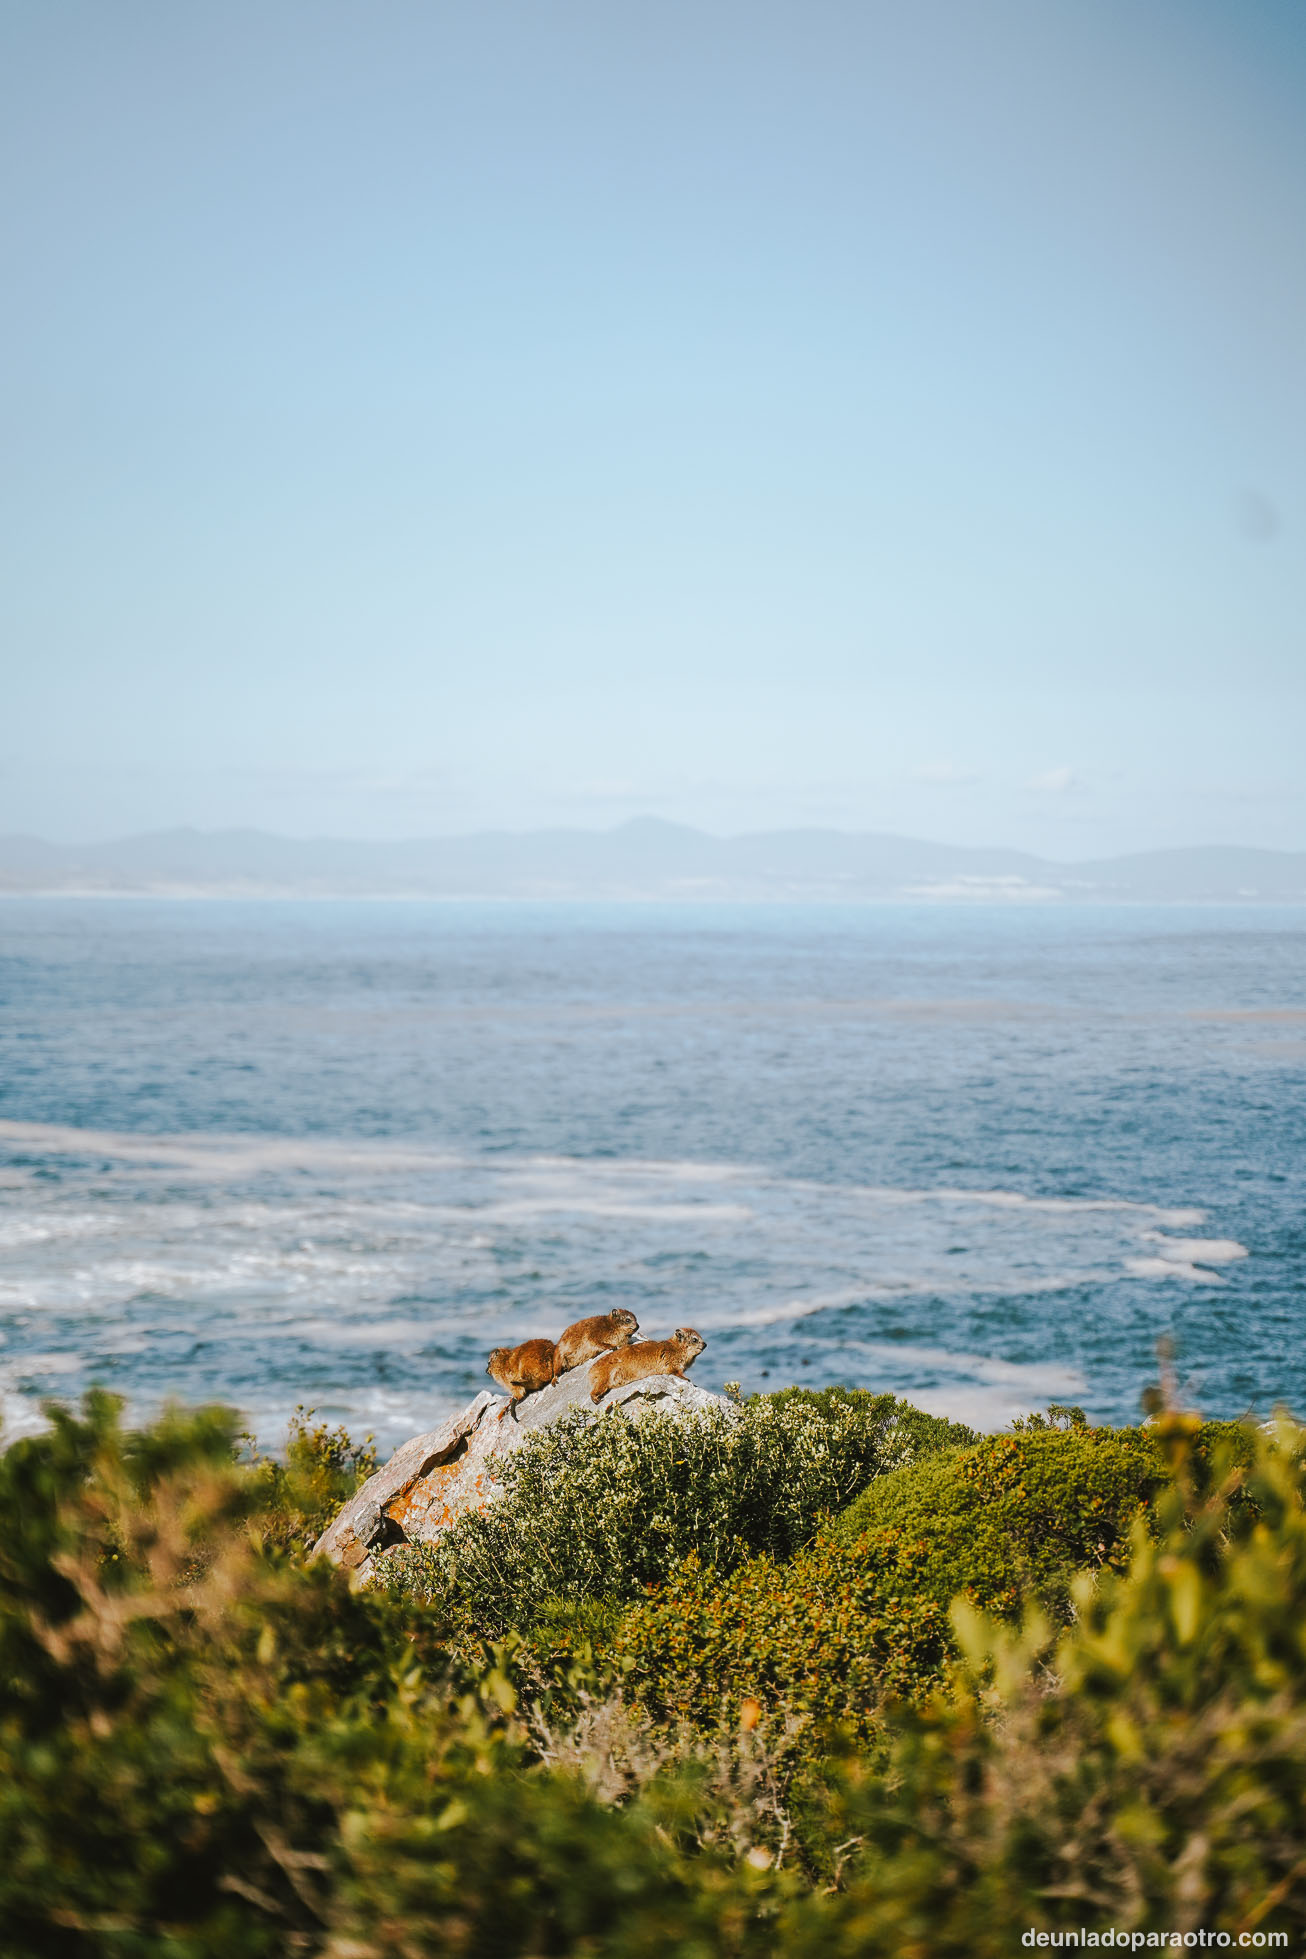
(645, 1357)
(579, 1343)
(522, 1370)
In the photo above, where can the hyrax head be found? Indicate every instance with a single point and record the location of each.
(687, 1337)
(496, 1359)
(627, 1325)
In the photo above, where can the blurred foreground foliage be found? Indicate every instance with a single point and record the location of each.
(209, 1747)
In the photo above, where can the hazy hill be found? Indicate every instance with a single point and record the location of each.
(643, 859)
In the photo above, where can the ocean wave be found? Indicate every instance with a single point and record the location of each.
(267, 1272)
(216, 1155)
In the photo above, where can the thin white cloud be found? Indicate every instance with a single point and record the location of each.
(1055, 782)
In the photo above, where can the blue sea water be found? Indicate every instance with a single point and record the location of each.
(332, 1153)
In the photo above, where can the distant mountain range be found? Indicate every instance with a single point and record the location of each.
(645, 859)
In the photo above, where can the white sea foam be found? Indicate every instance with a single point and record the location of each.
(1172, 1268)
(51, 1363)
(318, 1263)
(18, 1231)
(1185, 1258)
(1205, 1251)
(213, 1155)
(526, 1209)
(392, 1334)
(1034, 1379)
(984, 1408)
(20, 1415)
(219, 1156)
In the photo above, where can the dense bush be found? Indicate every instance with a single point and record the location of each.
(1146, 1770)
(829, 1636)
(861, 1615)
(1016, 1515)
(597, 1507)
(208, 1749)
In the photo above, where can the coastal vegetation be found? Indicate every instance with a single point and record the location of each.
(598, 1510)
(826, 1676)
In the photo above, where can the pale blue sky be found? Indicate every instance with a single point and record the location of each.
(420, 417)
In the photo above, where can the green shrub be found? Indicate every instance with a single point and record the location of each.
(859, 1617)
(299, 1495)
(1016, 1515)
(207, 1748)
(829, 1636)
(598, 1506)
(1145, 1770)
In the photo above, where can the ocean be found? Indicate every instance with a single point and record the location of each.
(330, 1154)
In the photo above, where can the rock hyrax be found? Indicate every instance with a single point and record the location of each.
(632, 1363)
(522, 1369)
(581, 1342)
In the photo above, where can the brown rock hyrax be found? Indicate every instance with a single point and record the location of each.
(645, 1357)
(522, 1369)
(579, 1343)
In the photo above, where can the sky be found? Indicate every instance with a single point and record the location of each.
(419, 418)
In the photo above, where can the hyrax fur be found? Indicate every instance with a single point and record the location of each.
(522, 1370)
(579, 1343)
(645, 1357)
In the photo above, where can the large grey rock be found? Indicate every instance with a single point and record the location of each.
(436, 1478)
(353, 1532)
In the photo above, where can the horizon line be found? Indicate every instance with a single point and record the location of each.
(643, 820)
